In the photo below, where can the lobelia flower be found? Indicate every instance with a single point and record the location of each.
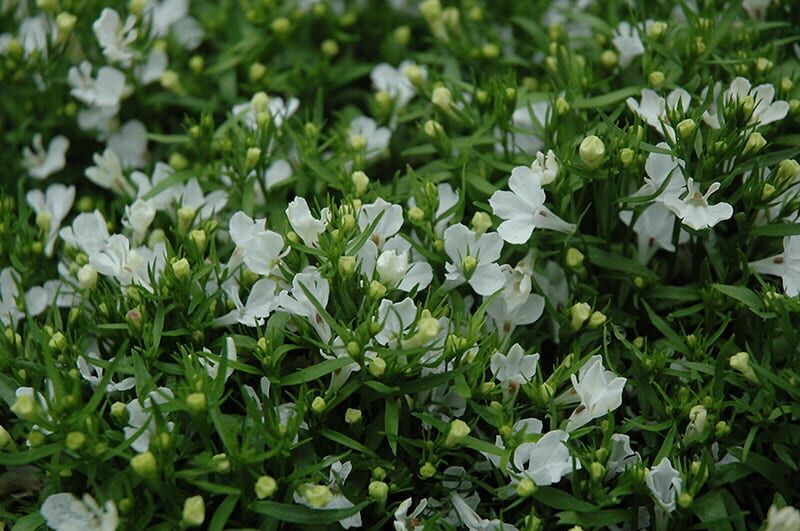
(94, 373)
(628, 43)
(115, 37)
(103, 91)
(521, 428)
(107, 173)
(51, 207)
(154, 66)
(395, 81)
(785, 519)
(141, 416)
(522, 209)
(514, 369)
(363, 131)
(337, 476)
(664, 483)
(278, 172)
(654, 110)
(653, 229)
(473, 259)
(409, 522)
(165, 16)
(33, 34)
(297, 302)
(516, 305)
(765, 109)
(304, 224)
(545, 461)
(694, 210)
(163, 200)
(130, 144)
(65, 512)
(138, 218)
(41, 164)
(261, 301)
(785, 265)
(36, 299)
(621, 455)
(395, 269)
(279, 110)
(204, 206)
(396, 319)
(473, 521)
(287, 413)
(88, 232)
(212, 367)
(600, 391)
(129, 266)
(659, 168)
(528, 124)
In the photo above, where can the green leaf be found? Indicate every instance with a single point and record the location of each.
(777, 230)
(29, 456)
(558, 499)
(315, 372)
(30, 522)
(667, 330)
(596, 519)
(609, 98)
(176, 178)
(712, 511)
(298, 514)
(615, 262)
(344, 440)
(391, 422)
(744, 295)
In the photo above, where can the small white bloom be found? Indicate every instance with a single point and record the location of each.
(517, 305)
(628, 43)
(141, 415)
(546, 167)
(395, 82)
(298, 301)
(522, 209)
(278, 172)
(653, 229)
(621, 456)
(784, 519)
(65, 512)
(154, 66)
(473, 521)
(138, 218)
(105, 90)
(665, 485)
(261, 301)
(600, 391)
(88, 233)
(130, 144)
(205, 206)
(115, 37)
(304, 224)
(785, 265)
(94, 373)
(107, 172)
(163, 200)
(409, 522)
(363, 129)
(514, 369)
(41, 164)
(765, 111)
(51, 207)
(694, 210)
(337, 476)
(279, 110)
(654, 110)
(396, 319)
(473, 259)
(545, 461)
(528, 124)
(212, 367)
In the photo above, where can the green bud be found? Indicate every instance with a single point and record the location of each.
(347, 265)
(181, 268)
(579, 313)
(352, 416)
(427, 470)
(377, 367)
(265, 487)
(686, 128)
(25, 407)
(755, 142)
(574, 258)
(318, 405)
(194, 511)
(144, 464)
(626, 156)
(378, 490)
(592, 151)
(360, 182)
(196, 402)
(457, 433)
(481, 222)
(318, 496)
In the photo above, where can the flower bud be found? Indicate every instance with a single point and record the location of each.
(402, 35)
(347, 265)
(755, 142)
(785, 519)
(360, 182)
(376, 289)
(525, 487)
(260, 102)
(597, 319)
(352, 416)
(25, 407)
(656, 79)
(5, 438)
(58, 341)
(481, 222)
(181, 268)
(222, 465)
(686, 128)
(428, 327)
(171, 81)
(36, 438)
(433, 129)
(265, 487)
(458, 432)
(626, 156)
(256, 72)
(376, 367)
(87, 277)
(281, 26)
(318, 496)
(442, 98)
(318, 405)
(597, 471)
(329, 47)
(579, 313)
(416, 214)
(698, 417)
(378, 490)
(562, 106)
(469, 264)
(144, 464)
(196, 402)
(427, 470)
(592, 151)
(75, 440)
(415, 74)
(194, 511)
(65, 22)
(609, 58)
(574, 258)
(721, 429)
(741, 362)
(788, 171)
(656, 29)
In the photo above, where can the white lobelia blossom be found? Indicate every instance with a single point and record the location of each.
(621, 455)
(93, 373)
(130, 144)
(260, 249)
(261, 301)
(88, 232)
(278, 172)
(545, 461)
(34, 34)
(516, 305)
(395, 269)
(765, 109)
(661, 167)
(756, 9)
(279, 110)
(129, 265)
(694, 210)
(384, 220)
(473, 259)
(107, 173)
(115, 37)
(304, 223)
(395, 81)
(287, 413)
(163, 200)
(546, 167)
(41, 164)
(172, 16)
(65, 512)
(655, 110)
(364, 133)
(653, 228)
(785, 265)
(514, 369)
(521, 428)
(628, 43)
(337, 476)
(212, 367)
(308, 287)
(522, 209)
(51, 207)
(243, 229)
(142, 418)
(396, 319)
(528, 124)
(36, 299)
(472, 520)
(786, 518)
(153, 67)
(600, 391)
(204, 206)
(409, 522)
(138, 218)
(664, 483)
(104, 91)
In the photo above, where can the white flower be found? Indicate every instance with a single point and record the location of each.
(36, 299)
(65, 512)
(409, 522)
(545, 461)
(784, 519)
(94, 373)
(785, 265)
(521, 428)
(129, 266)
(660, 167)
(514, 369)
(104, 91)
(628, 43)
(204, 206)
(396, 319)
(115, 37)
(279, 110)
(473, 521)
(654, 110)
(473, 259)
(298, 301)
(152, 69)
(163, 200)
(396, 271)
(522, 209)
(664, 483)
(41, 164)
(364, 131)
(304, 224)
(88, 233)
(212, 367)
(600, 391)
(278, 172)
(138, 218)
(264, 252)
(528, 125)
(260, 303)
(765, 110)
(107, 172)
(545, 167)
(653, 229)
(516, 305)
(694, 210)
(337, 476)
(142, 418)
(51, 208)
(621, 456)
(395, 82)
(33, 34)
(130, 144)
(384, 219)
(756, 9)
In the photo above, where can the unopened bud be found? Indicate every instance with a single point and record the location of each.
(194, 511)
(265, 487)
(442, 98)
(592, 151)
(144, 464)
(352, 416)
(360, 182)
(579, 313)
(755, 142)
(181, 268)
(686, 128)
(457, 433)
(481, 222)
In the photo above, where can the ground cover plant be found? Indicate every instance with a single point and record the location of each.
(277, 264)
